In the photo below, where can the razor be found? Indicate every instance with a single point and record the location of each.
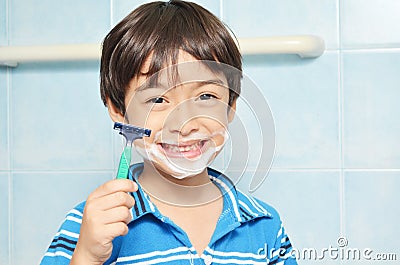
(130, 133)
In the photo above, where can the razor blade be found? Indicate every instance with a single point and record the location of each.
(131, 132)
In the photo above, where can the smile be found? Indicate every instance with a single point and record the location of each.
(190, 149)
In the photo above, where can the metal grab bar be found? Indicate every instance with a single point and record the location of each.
(306, 46)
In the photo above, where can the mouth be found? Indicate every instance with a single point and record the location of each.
(190, 149)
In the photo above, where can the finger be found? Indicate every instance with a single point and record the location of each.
(118, 214)
(113, 186)
(115, 229)
(113, 200)
(110, 201)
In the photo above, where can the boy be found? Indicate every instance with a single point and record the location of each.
(174, 68)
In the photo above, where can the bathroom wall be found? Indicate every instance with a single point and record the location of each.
(337, 160)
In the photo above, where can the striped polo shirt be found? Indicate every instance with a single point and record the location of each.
(247, 232)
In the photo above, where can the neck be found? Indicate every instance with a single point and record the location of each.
(191, 191)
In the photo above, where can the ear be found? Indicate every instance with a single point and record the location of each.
(232, 111)
(114, 112)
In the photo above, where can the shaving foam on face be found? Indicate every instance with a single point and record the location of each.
(182, 167)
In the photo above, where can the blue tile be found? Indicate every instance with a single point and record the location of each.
(49, 195)
(260, 18)
(4, 156)
(55, 22)
(58, 119)
(211, 5)
(303, 97)
(369, 23)
(371, 127)
(308, 204)
(4, 217)
(372, 211)
(251, 132)
(3, 23)
(122, 8)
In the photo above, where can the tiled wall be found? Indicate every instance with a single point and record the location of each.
(337, 160)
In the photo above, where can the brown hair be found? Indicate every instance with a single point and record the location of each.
(162, 28)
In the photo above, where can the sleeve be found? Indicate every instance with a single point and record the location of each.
(282, 252)
(63, 245)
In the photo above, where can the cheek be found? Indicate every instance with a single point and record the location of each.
(216, 124)
(220, 136)
(146, 119)
(155, 120)
(218, 116)
(140, 142)
(218, 133)
(138, 113)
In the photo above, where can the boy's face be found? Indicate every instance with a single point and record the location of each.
(188, 115)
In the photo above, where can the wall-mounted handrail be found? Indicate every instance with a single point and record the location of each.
(306, 46)
(13, 55)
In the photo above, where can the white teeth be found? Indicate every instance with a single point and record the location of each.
(177, 148)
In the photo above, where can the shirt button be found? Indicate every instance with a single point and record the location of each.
(208, 260)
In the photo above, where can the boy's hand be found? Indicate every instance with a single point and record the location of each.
(106, 215)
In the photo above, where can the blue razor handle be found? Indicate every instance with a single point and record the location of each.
(130, 133)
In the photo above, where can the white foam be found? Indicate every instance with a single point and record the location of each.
(182, 167)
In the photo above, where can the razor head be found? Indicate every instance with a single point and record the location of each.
(131, 132)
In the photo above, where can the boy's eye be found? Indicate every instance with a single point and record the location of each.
(207, 96)
(157, 100)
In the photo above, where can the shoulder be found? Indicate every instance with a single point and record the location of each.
(261, 216)
(62, 247)
(73, 220)
(75, 215)
(271, 225)
(257, 206)
(78, 209)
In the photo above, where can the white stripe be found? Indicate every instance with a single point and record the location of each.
(255, 204)
(247, 208)
(279, 232)
(150, 203)
(166, 259)
(236, 254)
(131, 211)
(58, 253)
(76, 212)
(259, 205)
(229, 192)
(67, 233)
(74, 219)
(154, 253)
(237, 261)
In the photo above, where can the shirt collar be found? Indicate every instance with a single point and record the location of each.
(244, 208)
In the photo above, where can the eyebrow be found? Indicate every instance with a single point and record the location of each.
(160, 85)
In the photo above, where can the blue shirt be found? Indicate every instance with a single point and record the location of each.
(247, 232)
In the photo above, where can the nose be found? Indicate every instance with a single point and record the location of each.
(182, 120)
